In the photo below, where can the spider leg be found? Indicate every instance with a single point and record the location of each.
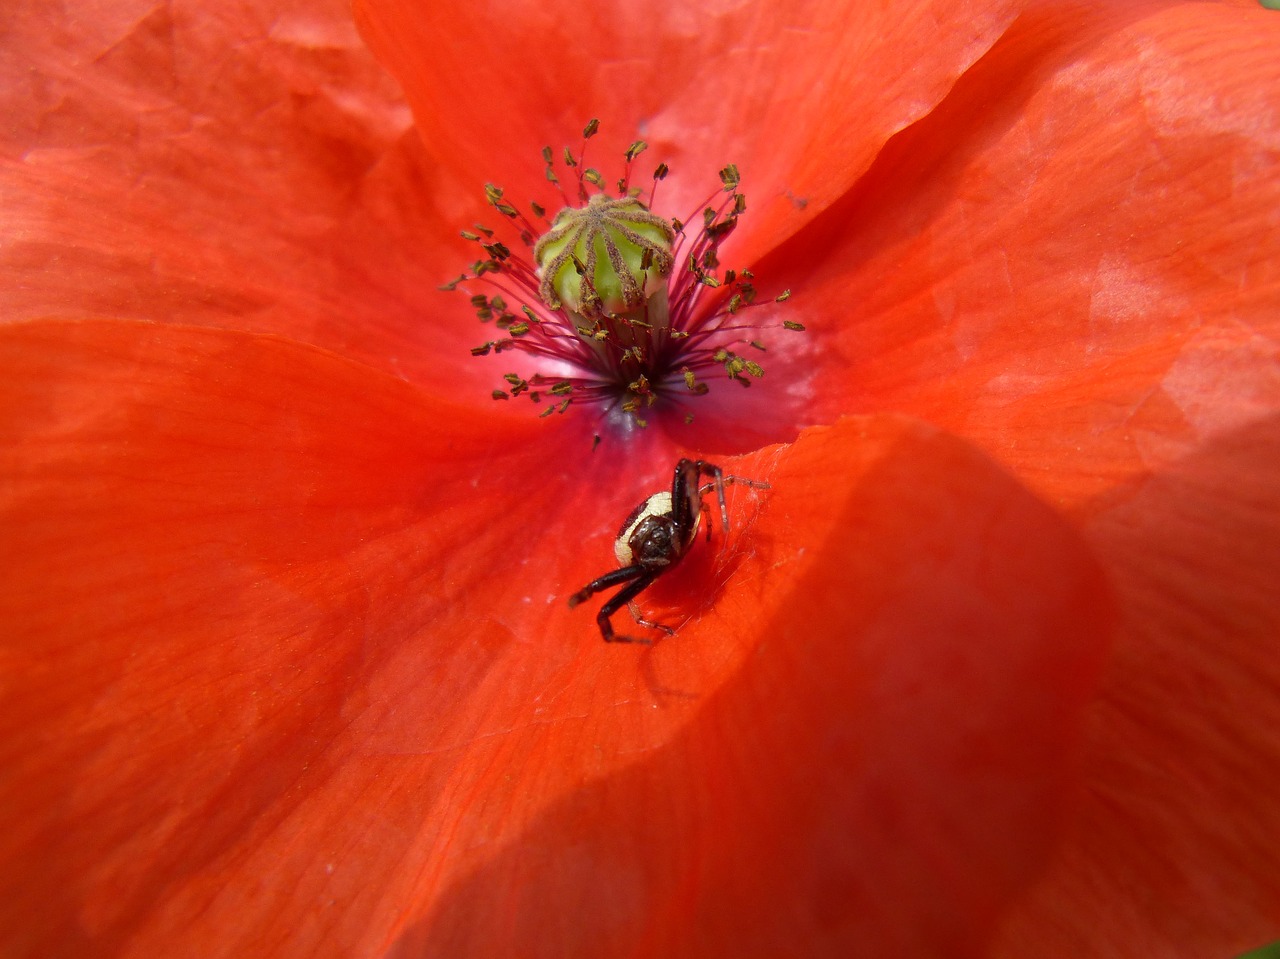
(719, 480)
(604, 582)
(717, 483)
(686, 498)
(730, 480)
(620, 599)
(635, 614)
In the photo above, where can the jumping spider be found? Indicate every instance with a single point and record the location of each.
(655, 537)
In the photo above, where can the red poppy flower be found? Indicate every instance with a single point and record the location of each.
(289, 667)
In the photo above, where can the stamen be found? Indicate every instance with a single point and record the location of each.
(603, 298)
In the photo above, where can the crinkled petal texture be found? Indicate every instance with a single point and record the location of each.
(240, 165)
(808, 91)
(288, 664)
(298, 677)
(248, 166)
(1075, 261)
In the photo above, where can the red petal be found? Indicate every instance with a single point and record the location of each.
(800, 95)
(226, 166)
(883, 771)
(1073, 261)
(217, 545)
(296, 669)
(1172, 855)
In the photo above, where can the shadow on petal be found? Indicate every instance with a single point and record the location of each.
(888, 767)
(1172, 853)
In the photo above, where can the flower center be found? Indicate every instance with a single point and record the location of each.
(627, 309)
(605, 258)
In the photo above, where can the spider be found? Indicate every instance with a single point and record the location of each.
(655, 537)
